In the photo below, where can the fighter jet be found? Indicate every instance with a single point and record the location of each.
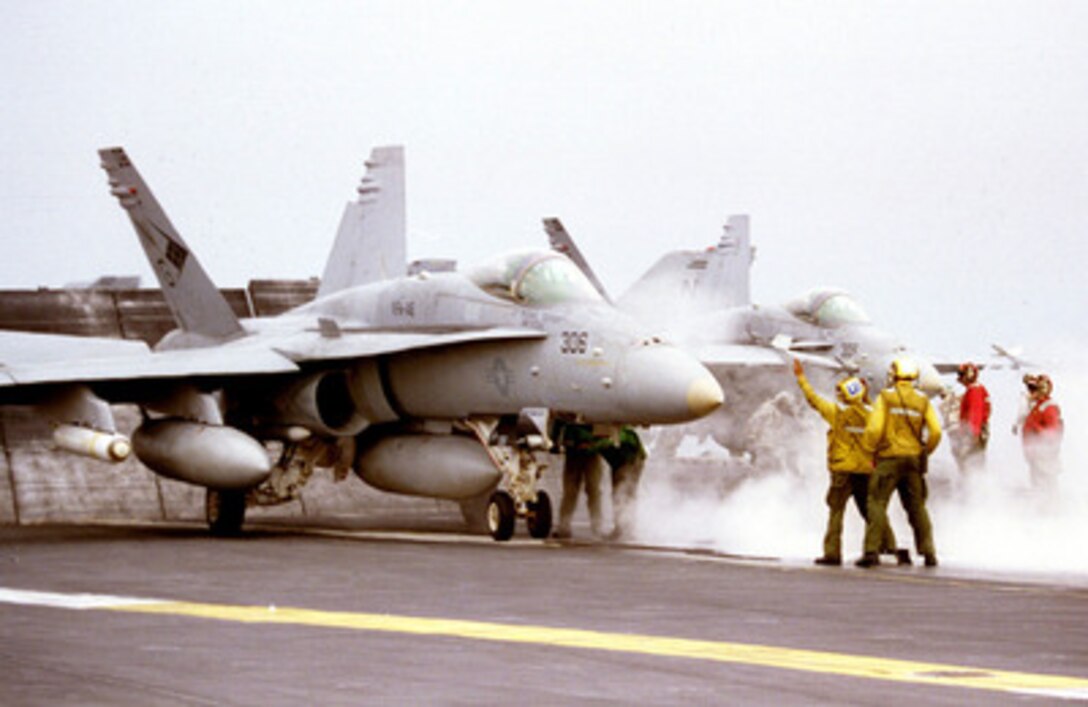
(701, 300)
(439, 384)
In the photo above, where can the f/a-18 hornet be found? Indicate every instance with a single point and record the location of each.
(701, 299)
(438, 384)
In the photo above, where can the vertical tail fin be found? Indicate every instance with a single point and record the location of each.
(730, 284)
(196, 303)
(703, 280)
(370, 244)
(561, 242)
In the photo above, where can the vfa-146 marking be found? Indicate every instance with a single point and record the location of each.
(441, 384)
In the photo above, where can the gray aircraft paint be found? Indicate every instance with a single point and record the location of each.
(702, 300)
(388, 364)
(370, 243)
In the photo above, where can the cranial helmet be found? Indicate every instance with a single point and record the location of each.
(903, 369)
(967, 373)
(851, 390)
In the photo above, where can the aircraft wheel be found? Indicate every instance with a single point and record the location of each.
(500, 516)
(474, 511)
(539, 520)
(225, 512)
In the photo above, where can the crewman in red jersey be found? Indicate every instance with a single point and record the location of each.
(973, 431)
(1042, 434)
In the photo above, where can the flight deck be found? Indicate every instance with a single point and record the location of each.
(418, 612)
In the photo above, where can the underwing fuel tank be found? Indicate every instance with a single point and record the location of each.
(438, 466)
(214, 456)
(107, 446)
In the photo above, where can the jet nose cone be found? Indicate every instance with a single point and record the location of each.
(665, 385)
(704, 396)
(929, 380)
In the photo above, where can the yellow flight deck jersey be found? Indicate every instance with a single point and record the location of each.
(899, 416)
(844, 451)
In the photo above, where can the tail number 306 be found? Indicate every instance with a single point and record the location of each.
(574, 342)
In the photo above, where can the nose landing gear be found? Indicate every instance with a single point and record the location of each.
(502, 513)
(515, 456)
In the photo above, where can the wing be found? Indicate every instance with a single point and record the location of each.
(725, 356)
(28, 360)
(18, 347)
(24, 357)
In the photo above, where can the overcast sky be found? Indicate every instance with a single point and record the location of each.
(932, 158)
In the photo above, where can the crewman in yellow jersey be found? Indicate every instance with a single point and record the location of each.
(903, 430)
(849, 465)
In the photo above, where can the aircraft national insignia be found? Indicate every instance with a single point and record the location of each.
(501, 376)
(176, 254)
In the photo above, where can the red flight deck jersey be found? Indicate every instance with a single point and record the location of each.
(1045, 419)
(975, 408)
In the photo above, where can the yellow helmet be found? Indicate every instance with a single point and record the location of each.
(851, 390)
(903, 369)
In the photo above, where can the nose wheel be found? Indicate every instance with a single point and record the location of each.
(502, 513)
(538, 516)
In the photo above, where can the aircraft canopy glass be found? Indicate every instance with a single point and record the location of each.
(534, 278)
(828, 308)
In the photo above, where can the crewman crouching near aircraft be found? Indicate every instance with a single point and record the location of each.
(849, 465)
(1042, 433)
(626, 457)
(581, 467)
(973, 431)
(903, 430)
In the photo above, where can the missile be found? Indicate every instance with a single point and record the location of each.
(107, 446)
(215, 456)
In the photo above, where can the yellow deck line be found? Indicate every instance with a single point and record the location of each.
(824, 662)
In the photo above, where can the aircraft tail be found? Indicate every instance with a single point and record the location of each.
(702, 279)
(370, 244)
(561, 242)
(196, 303)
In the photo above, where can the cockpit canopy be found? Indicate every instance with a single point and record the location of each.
(534, 278)
(828, 308)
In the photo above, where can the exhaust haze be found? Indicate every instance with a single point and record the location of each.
(993, 521)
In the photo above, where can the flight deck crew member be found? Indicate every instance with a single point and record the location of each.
(949, 409)
(973, 430)
(625, 457)
(849, 465)
(1042, 433)
(1024, 407)
(903, 430)
(581, 468)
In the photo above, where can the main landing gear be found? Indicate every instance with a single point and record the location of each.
(225, 512)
